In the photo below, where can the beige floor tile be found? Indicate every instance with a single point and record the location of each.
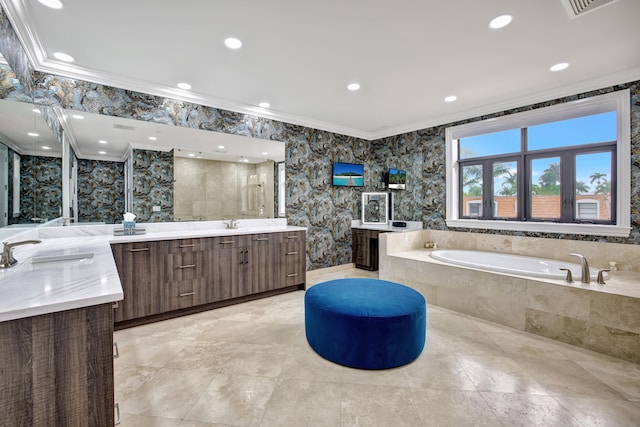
(168, 394)
(500, 374)
(304, 364)
(526, 410)
(148, 350)
(233, 399)
(602, 412)
(622, 376)
(566, 378)
(133, 420)
(439, 372)
(439, 408)
(366, 405)
(129, 378)
(303, 404)
(514, 344)
(204, 356)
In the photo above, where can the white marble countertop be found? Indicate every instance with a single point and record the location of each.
(411, 226)
(30, 289)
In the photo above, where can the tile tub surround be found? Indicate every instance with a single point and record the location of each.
(603, 318)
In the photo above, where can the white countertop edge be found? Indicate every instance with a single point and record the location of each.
(22, 313)
(194, 234)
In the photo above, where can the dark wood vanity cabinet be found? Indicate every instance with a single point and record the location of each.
(165, 276)
(364, 248)
(57, 369)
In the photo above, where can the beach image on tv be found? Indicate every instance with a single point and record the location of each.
(348, 175)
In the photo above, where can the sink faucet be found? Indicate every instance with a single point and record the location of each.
(586, 276)
(7, 260)
(232, 224)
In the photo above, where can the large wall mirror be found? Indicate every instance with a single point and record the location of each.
(100, 160)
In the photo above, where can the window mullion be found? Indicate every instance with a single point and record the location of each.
(567, 186)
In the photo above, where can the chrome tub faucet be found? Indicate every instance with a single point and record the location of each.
(7, 260)
(586, 275)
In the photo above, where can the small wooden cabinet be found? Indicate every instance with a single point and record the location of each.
(364, 248)
(165, 276)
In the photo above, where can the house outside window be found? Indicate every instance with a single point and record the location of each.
(563, 169)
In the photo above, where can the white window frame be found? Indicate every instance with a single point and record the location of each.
(618, 101)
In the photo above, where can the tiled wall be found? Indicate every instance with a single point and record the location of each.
(100, 191)
(312, 201)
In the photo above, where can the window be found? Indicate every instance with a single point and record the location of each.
(563, 169)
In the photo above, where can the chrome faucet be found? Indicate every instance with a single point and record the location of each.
(232, 224)
(586, 275)
(7, 260)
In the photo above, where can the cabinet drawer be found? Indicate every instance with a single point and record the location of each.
(186, 245)
(184, 294)
(227, 242)
(184, 266)
(264, 238)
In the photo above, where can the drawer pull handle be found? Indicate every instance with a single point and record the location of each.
(227, 242)
(187, 294)
(187, 246)
(117, 410)
(292, 237)
(187, 266)
(139, 250)
(261, 239)
(292, 275)
(292, 253)
(117, 353)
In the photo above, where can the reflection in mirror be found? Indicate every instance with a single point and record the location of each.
(173, 173)
(374, 208)
(33, 162)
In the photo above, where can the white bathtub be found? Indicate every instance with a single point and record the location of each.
(512, 264)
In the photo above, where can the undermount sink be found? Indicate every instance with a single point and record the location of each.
(61, 257)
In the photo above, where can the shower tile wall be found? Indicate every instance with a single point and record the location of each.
(311, 200)
(210, 189)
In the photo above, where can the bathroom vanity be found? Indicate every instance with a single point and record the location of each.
(364, 242)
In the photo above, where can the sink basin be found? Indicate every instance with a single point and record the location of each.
(61, 257)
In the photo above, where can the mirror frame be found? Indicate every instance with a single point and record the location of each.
(367, 198)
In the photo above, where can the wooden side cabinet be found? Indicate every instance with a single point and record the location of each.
(57, 369)
(365, 248)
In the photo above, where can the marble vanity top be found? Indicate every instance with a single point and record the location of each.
(62, 278)
(30, 289)
(411, 226)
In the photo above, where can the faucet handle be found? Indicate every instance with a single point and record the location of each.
(569, 278)
(600, 279)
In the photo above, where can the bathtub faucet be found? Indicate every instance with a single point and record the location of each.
(586, 275)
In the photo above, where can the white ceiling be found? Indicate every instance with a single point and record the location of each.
(300, 55)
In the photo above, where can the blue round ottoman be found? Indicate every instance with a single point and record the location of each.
(365, 323)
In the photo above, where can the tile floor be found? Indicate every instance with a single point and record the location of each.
(250, 365)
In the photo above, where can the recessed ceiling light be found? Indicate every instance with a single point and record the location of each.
(102, 141)
(35, 110)
(559, 67)
(102, 152)
(53, 4)
(500, 21)
(63, 57)
(450, 98)
(183, 85)
(153, 138)
(232, 43)
(220, 147)
(191, 154)
(44, 147)
(77, 116)
(33, 134)
(264, 105)
(353, 86)
(264, 153)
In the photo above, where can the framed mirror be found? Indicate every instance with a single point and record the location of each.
(375, 208)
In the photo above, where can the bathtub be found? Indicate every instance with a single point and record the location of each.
(512, 264)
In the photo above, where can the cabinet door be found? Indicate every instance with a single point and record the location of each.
(294, 264)
(226, 259)
(141, 276)
(360, 247)
(261, 269)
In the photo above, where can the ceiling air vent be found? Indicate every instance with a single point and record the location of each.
(577, 8)
(123, 127)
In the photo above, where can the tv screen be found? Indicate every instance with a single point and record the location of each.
(348, 175)
(397, 179)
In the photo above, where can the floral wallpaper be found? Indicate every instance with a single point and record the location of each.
(152, 185)
(100, 191)
(40, 189)
(311, 200)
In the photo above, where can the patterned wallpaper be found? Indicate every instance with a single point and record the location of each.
(311, 200)
(152, 185)
(100, 191)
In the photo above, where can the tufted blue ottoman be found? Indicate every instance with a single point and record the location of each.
(365, 323)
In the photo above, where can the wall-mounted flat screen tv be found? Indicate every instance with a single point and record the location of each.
(397, 179)
(348, 175)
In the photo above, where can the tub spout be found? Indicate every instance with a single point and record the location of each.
(586, 275)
